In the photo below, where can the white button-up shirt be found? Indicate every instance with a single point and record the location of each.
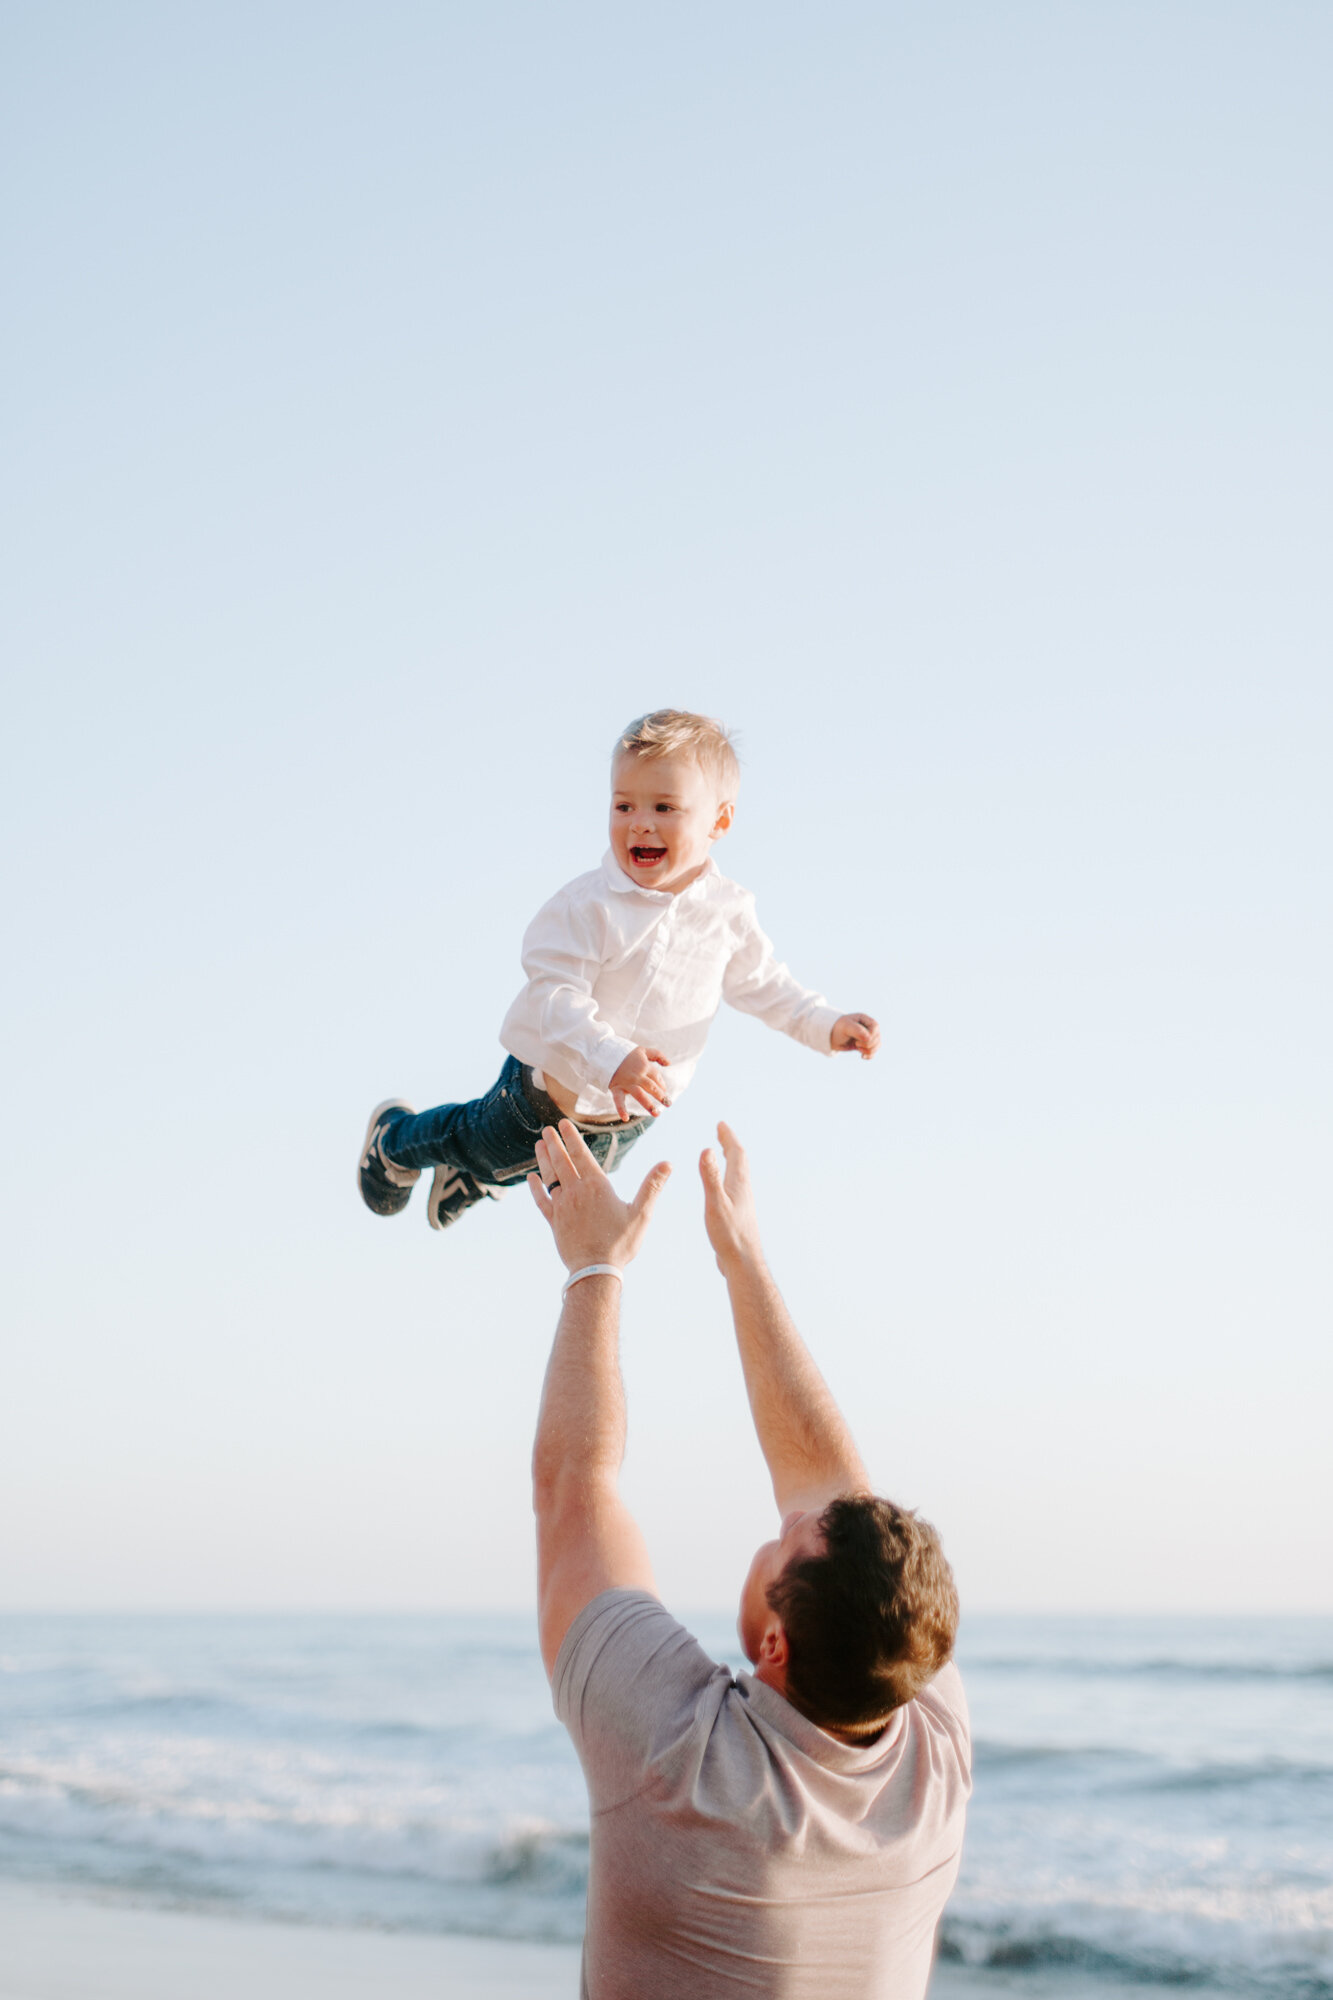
(613, 967)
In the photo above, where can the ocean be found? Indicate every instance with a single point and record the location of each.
(1153, 1802)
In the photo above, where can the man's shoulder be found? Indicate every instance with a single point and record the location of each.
(626, 1632)
(943, 1692)
(625, 1651)
(632, 1686)
(941, 1711)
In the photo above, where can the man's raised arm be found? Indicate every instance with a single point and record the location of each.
(587, 1540)
(809, 1449)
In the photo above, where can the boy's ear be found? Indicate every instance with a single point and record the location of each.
(725, 814)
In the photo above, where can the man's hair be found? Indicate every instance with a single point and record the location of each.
(671, 732)
(869, 1619)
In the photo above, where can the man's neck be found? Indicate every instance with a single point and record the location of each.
(776, 1678)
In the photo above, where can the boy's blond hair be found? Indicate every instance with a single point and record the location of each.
(672, 732)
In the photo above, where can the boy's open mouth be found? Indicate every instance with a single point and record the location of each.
(647, 857)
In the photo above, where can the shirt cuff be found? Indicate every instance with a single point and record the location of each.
(817, 1030)
(603, 1064)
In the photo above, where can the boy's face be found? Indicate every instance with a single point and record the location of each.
(665, 815)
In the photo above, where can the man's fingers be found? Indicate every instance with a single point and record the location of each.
(738, 1167)
(710, 1171)
(578, 1151)
(654, 1181)
(561, 1166)
(540, 1196)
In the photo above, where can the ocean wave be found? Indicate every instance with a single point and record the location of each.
(1142, 1770)
(405, 1860)
(417, 1862)
(1233, 1777)
(990, 1755)
(1164, 1667)
(1290, 1966)
(540, 1857)
(258, 1802)
(180, 1716)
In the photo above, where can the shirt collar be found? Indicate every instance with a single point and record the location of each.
(831, 1751)
(615, 878)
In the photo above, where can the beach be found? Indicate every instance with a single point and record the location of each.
(57, 1947)
(54, 1946)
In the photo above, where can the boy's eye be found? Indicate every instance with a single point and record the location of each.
(662, 809)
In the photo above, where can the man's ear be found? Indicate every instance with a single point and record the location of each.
(725, 814)
(773, 1646)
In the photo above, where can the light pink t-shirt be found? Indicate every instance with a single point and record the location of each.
(737, 1849)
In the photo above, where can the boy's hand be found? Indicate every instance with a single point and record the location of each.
(589, 1221)
(855, 1033)
(635, 1079)
(729, 1213)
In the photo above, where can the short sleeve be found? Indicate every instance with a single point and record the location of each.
(943, 1707)
(629, 1684)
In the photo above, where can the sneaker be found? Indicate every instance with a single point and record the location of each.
(385, 1188)
(454, 1190)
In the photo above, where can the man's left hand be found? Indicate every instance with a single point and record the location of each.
(855, 1033)
(589, 1221)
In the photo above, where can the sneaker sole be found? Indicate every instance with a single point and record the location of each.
(389, 1104)
(441, 1180)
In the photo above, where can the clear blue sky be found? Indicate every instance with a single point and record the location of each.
(400, 397)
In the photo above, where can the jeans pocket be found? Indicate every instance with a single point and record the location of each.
(522, 1110)
(511, 1135)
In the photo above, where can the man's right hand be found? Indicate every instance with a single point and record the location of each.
(589, 1221)
(729, 1212)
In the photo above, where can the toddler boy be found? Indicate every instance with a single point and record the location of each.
(626, 968)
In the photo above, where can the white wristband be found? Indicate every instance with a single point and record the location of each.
(592, 1271)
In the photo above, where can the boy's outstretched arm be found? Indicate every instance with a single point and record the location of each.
(757, 983)
(587, 1540)
(802, 1433)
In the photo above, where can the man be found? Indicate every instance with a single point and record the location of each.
(796, 1831)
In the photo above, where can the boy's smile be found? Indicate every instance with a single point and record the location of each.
(665, 815)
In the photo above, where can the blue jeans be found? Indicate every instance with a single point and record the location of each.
(493, 1138)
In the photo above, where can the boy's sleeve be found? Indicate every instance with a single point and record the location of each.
(757, 983)
(562, 957)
